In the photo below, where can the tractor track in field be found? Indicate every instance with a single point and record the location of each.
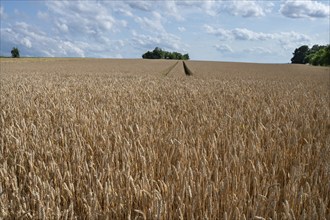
(187, 71)
(168, 70)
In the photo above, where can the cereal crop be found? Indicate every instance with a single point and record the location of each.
(140, 139)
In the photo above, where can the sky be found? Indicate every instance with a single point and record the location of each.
(219, 30)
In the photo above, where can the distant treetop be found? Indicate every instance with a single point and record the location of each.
(15, 52)
(158, 53)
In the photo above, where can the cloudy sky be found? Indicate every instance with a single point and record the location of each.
(244, 30)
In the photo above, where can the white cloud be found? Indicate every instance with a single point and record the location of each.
(291, 40)
(219, 32)
(124, 11)
(258, 50)
(237, 34)
(249, 35)
(245, 34)
(3, 15)
(141, 5)
(172, 10)
(105, 21)
(71, 49)
(244, 8)
(83, 17)
(42, 15)
(188, 3)
(223, 48)
(226, 49)
(62, 27)
(210, 8)
(285, 40)
(182, 29)
(305, 9)
(168, 10)
(22, 25)
(26, 42)
(153, 24)
(163, 40)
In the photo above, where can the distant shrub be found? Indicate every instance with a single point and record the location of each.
(15, 52)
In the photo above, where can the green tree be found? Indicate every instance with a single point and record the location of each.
(185, 56)
(311, 52)
(168, 55)
(177, 56)
(158, 53)
(147, 55)
(299, 55)
(318, 55)
(321, 57)
(316, 58)
(326, 56)
(15, 52)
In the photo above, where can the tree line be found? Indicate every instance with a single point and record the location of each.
(158, 53)
(318, 55)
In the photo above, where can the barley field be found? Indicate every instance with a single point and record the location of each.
(140, 139)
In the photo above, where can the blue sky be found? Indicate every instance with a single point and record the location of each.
(243, 31)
